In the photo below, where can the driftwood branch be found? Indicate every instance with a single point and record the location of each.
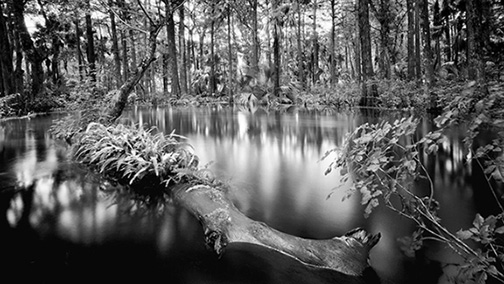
(224, 224)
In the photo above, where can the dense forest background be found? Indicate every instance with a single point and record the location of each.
(64, 51)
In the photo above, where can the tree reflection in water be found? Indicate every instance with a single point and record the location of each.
(58, 219)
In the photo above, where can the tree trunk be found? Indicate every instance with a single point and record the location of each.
(121, 98)
(301, 71)
(368, 92)
(80, 57)
(182, 51)
(90, 51)
(332, 44)
(255, 40)
(165, 73)
(384, 18)
(315, 58)
(448, 47)
(172, 51)
(276, 50)
(411, 38)
(223, 224)
(212, 80)
(115, 47)
(8, 83)
(427, 49)
(33, 55)
(436, 34)
(230, 56)
(418, 60)
(475, 36)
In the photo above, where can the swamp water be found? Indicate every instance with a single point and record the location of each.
(58, 225)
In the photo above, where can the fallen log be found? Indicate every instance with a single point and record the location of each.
(224, 224)
(161, 167)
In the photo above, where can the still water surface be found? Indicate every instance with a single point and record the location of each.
(57, 224)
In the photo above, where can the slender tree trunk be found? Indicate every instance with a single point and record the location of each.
(18, 69)
(230, 57)
(357, 56)
(125, 57)
(384, 18)
(125, 90)
(80, 57)
(411, 38)
(418, 60)
(332, 44)
(90, 51)
(436, 34)
(276, 51)
(172, 51)
(427, 49)
(165, 73)
(212, 53)
(8, 82)
(301, 71)
(255, 39)
(448, 46)
(182, 51)
(475, 36)
(33, 55)
(315, 63)
(115, 47)
(368, 92)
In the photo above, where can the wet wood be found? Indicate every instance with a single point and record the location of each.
(224, 224)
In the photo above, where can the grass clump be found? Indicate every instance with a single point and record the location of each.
(149, 163)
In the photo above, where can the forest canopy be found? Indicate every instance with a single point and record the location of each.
(56, 52)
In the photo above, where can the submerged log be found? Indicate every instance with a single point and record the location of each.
(224, 224)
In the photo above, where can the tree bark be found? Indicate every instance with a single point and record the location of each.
(224, 224)
(115, 47)
(411, 38)
(90, 50)
(80, 61)
(121, 98)
(172, 51)
(368, 92)
(474, 40)
(33, 54)
(6, 60)
(315, 58)
(418, 58)
(276, 50)
(332, 44)
(427, 49)
(182, 52)
(230, 57)
(255, 40)
(301, 71)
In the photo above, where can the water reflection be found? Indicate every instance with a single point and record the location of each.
(53, 212)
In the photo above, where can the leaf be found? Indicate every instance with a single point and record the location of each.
(478, 221)
(499, 230)
(464, 234)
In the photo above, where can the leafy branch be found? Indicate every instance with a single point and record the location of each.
(382, 162)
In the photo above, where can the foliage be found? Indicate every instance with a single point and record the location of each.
(149, 163)
(382, 162)
(11, 105)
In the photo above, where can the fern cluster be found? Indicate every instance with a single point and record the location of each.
(147, 162)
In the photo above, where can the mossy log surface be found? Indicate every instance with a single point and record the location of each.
(223, 224)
